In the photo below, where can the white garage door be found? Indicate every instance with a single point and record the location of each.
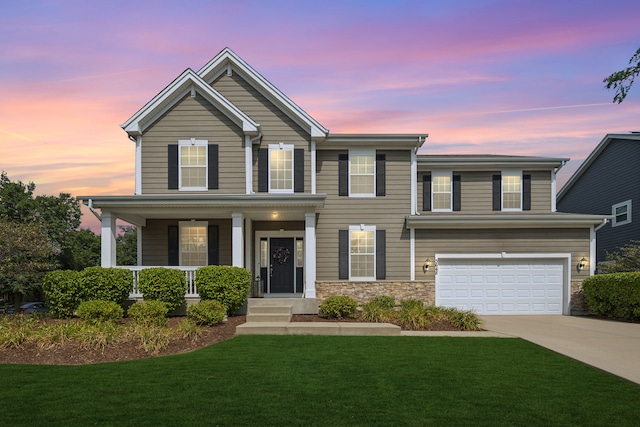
(501, 286)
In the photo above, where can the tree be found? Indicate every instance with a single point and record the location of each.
(26, 254)
(127, 246)
(81, 250)
(625, 259)
(621, 81)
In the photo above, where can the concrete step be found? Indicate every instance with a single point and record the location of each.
(268, 317)
(270, 309)
(273, 328)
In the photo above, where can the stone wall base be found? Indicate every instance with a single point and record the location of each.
(578, 304)
(364, 291)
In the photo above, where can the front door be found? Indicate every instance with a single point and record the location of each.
(282, 256)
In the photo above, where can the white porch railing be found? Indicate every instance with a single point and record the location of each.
(189, 272)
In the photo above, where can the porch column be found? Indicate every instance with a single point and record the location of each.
(237, 239)
(108, 240)
(310, 254)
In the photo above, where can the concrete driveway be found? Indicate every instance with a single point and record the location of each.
(611, 346)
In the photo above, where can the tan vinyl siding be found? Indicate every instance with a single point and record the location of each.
(155, 241)
(193, 118)
(276, 126)
(522, 241)
(476, 191)
(385, 212)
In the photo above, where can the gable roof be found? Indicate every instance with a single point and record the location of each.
(593, 156)
(187, 82)
(227, 62)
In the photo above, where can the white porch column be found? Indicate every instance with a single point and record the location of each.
(139, 242)
(237, 239)
(108, 240)
(310, 254)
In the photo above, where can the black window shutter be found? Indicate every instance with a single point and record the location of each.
(497, 192)
(343, 174)
(457, 199)
(298, 170)
(343, 254)
(174, 245)
(381, 174)
(381, 254)
(212, 166)
(426, 192)
(263, 170)
(213, 246)
(172, 167)
(526, 192)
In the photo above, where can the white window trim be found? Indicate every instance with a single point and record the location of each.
(363, 227)
(282, 146)
(181, 225)
(187, 143)
(510, 172)
(615, 223)
(363, 152)
(442, 173)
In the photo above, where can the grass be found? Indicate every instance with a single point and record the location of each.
(320, 380)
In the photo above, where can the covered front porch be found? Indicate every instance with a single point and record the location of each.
(274, 236)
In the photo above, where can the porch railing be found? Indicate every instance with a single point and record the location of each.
(189, 273)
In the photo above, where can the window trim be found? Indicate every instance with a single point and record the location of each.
(362, 227)
(281, 147)
(184, 224)
(503, 174)
(191, 143)
(614, 222)
(370, 152)
(435, 174)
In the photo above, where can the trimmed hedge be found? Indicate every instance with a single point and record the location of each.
(615, 295)
(107, 284)
(163, 284)
(63, 292)
(149, 313)
(225, 284)
(339, 307)
(207, 312)
(99, 311)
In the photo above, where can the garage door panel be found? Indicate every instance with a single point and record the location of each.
(501, 286)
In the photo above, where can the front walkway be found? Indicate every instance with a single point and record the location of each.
(611, 346)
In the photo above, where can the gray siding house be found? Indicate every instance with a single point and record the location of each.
(608, 183)
(230, 171)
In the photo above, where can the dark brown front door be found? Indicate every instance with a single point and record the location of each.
(282, 265)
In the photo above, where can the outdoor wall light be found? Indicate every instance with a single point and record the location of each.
(426, 265)
(582, 263)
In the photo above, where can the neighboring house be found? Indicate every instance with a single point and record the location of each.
(608, 183)
(230, 171)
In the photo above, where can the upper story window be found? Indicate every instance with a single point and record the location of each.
(362, 173)
(281, 168)
(512, 190)
(193, 243)
(441, 192)
(362, 253)
(621, 213)
(192, 165)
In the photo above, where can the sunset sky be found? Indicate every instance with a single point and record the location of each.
(479, 76)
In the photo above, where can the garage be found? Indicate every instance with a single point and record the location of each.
(501, 286)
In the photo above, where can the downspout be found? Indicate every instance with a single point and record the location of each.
(93, 211)
(604, 222)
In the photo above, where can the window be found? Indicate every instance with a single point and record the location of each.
(362, 174)
(511, 190)
(280, 168)
(441, 191)
(193, 243)
(193, 165)
(362, 254)
(299, 253)
(621, 213)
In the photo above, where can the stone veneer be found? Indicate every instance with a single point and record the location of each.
(363, 291)
(578, 303)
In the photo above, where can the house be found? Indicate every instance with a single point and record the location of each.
(230, 171)
(607, 183)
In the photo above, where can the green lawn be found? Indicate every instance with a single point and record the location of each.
(319, 380)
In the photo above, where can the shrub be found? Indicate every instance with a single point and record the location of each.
(99, 311)
(464, 320)
(152, 338)
(107, 284)
(413, 315)
(411, 303)
(380, 309)
(227, 285)
(207, 313)
(190, 329)
(97, 336)
(149, 313)
(63, 292)
(614, 295)
(163, 284)
(338, 307)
